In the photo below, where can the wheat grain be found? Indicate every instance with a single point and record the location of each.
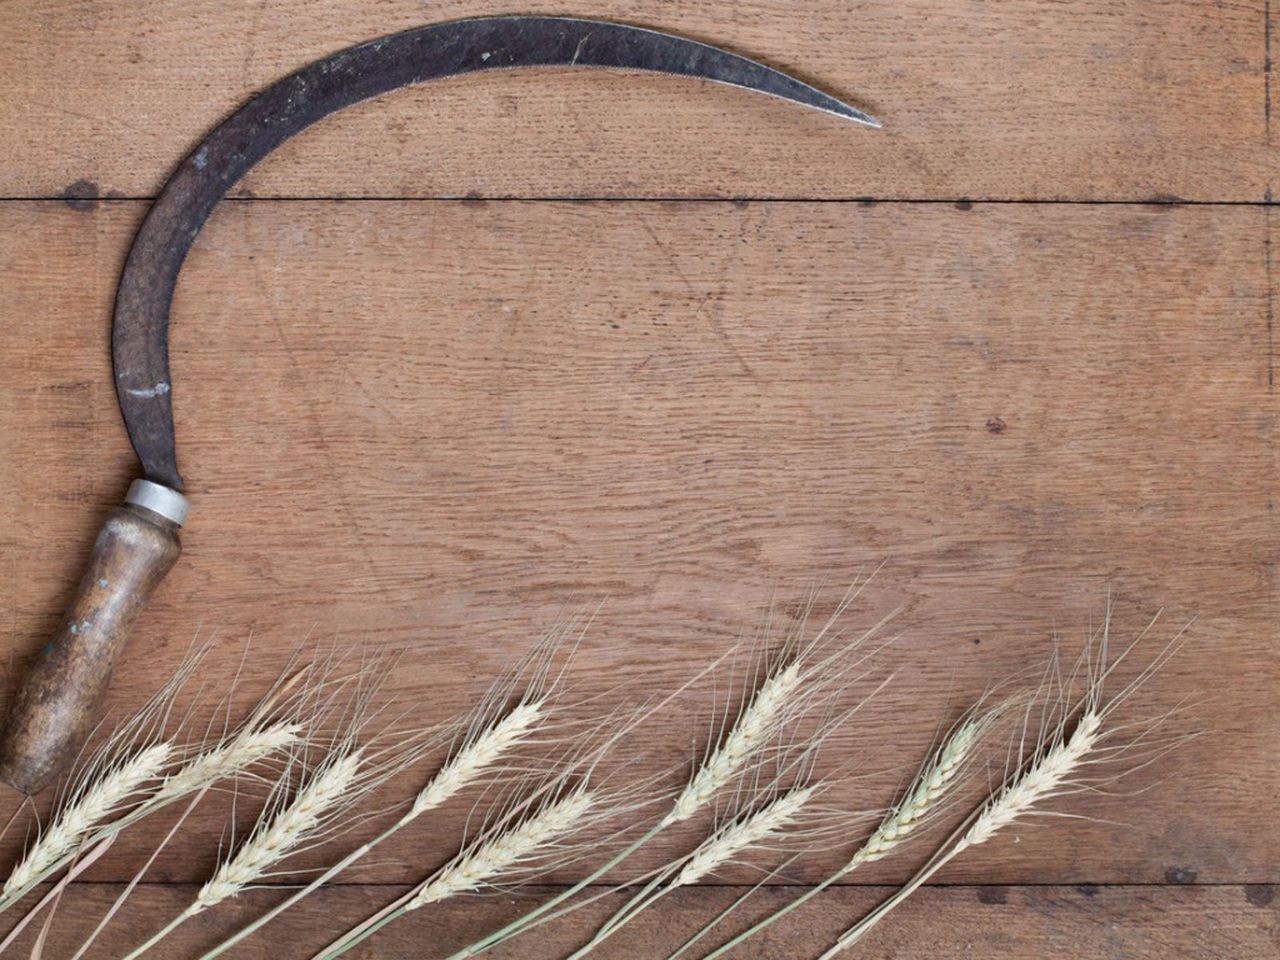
(276, 837)
(509, 849)
(930, 790)
(757, 723)
(1045, 778)
(480, 754)
(938, 776)
(788, 692)
(1052, 770)
(724, 845)
(96, 802)
(227, 759)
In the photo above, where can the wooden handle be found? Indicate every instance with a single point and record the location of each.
(58, 705)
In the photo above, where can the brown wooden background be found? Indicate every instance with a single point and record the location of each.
(471, 355)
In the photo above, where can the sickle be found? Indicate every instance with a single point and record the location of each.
(57, 706)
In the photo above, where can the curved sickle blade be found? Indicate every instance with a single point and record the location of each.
(140, 332)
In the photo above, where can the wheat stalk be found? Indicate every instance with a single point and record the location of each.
(349, 772)
(81, 822)
(478, 754)
(1055, 767)
(196, 774)
(749, 829)
(1052, 770)
(201, 766)
(251, 743)
(778, 699)
(723, 846)
(787, 692)
(535, 815)
(100, 799)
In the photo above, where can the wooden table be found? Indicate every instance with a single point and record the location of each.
(471, 355)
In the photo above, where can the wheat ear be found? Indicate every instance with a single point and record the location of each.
(1045, 779)
(801, 675)
(1057, 763)
(924, 799)
(492, 856)
(488, 737)
(479, 755)
(758, 722)
(1052, 771)
(785, 694)
(273, 839)
(936, 779)
(778, 699)
(227, 759)
(726, 844)
(775, 811)
(721, 847)
(500, 855)
(99, 800)
(83, 817)
(236, 754)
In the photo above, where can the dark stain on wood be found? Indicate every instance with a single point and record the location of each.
(81, 195)
(1260, 894)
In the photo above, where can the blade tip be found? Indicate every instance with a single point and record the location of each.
(857, 116)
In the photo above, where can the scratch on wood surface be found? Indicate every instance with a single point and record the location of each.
(702, 310)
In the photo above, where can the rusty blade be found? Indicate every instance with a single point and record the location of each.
(140, 333)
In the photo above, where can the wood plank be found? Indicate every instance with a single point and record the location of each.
(1026, 99)
(439, 425)
(1013, 923)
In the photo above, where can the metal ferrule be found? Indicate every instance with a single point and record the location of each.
(159, 499)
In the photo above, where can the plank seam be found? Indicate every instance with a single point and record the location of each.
(378, 884)
(86, 204)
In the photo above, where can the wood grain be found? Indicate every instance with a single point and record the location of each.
(1024, 99)
(439, 425)
(1013, 923)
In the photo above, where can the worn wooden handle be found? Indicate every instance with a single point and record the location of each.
(57, 706)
